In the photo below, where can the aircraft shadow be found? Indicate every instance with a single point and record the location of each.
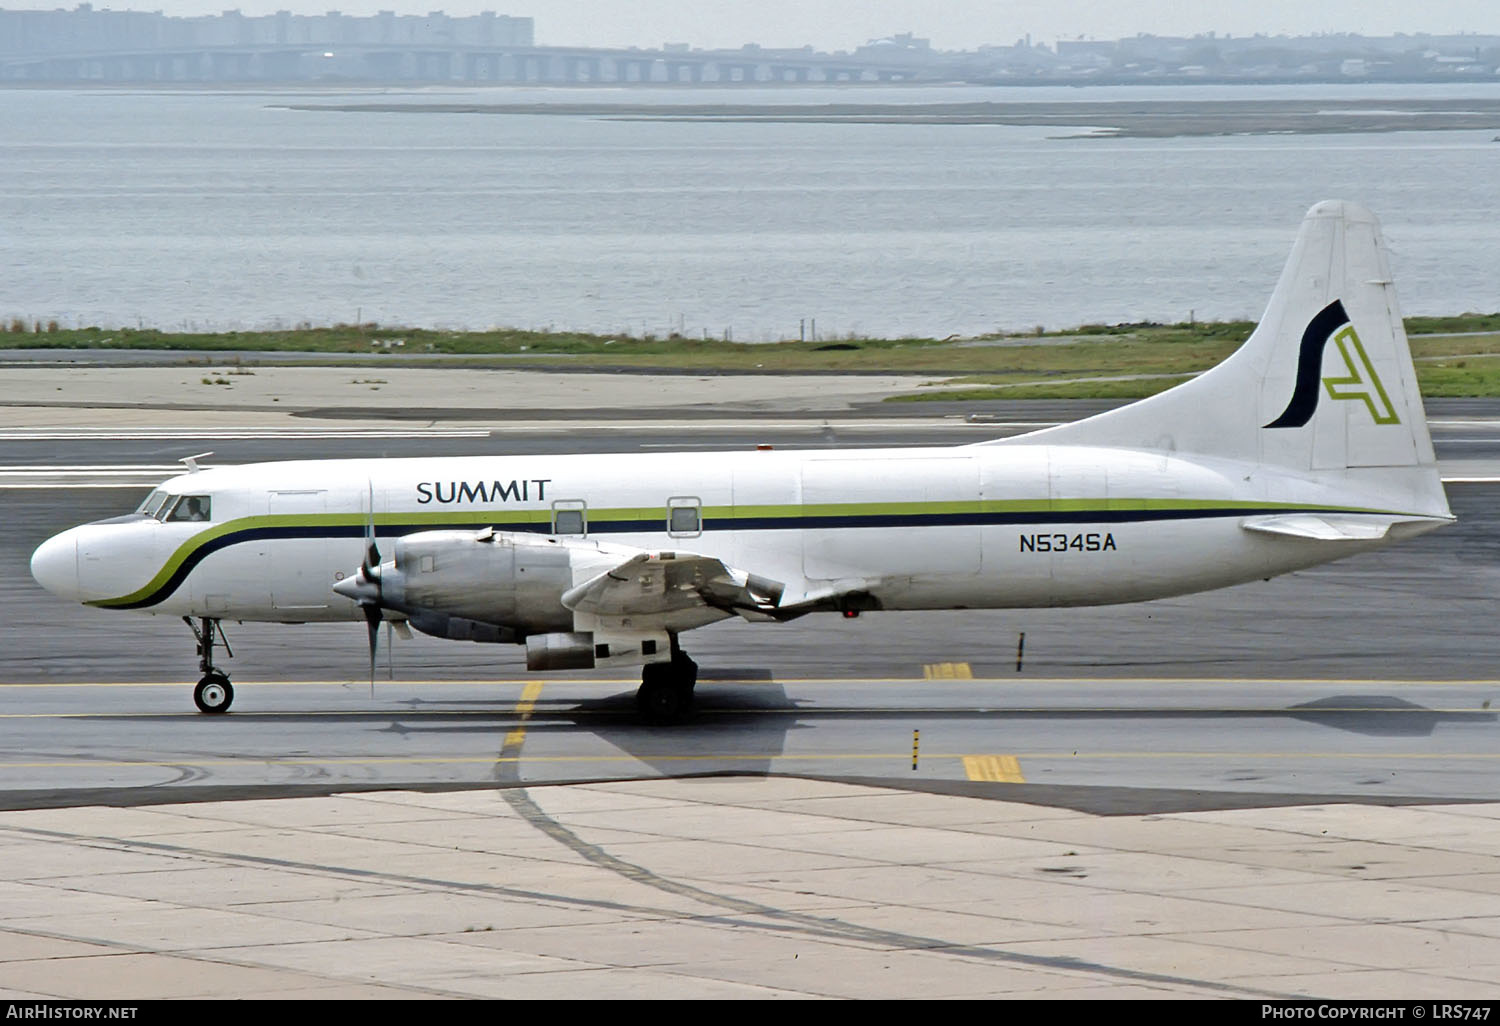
(1381, 715)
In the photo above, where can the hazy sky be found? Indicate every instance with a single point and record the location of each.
(841, 24)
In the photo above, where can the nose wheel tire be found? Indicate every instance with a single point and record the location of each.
(213, 693)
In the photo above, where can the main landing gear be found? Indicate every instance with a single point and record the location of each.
(213, 693)
(666, 694)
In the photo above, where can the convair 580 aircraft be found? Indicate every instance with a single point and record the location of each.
(1307, 445)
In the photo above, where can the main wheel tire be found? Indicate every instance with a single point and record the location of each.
(214, 694)
(663, 699)
(684, 670)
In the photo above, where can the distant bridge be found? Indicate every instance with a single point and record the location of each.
(388, 62)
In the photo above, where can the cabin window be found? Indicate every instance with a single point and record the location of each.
(569, 516)
(190, 509)
(684, 517)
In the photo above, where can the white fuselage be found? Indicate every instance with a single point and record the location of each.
(992, 526)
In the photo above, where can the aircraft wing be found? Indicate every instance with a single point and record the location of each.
(667, 582)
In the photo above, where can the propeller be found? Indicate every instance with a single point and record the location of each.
(370, 571)
(364, 587)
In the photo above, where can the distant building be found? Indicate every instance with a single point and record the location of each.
(86, 30)
(105, 46)
(900, 41)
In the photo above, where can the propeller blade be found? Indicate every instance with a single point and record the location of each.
(372, 625)
(369, 574)
(372, 551)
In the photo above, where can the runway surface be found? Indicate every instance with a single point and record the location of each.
(1372, 679)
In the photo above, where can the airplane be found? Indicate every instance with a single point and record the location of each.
(1308, 444)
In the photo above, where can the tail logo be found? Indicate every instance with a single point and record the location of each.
(1359, 382)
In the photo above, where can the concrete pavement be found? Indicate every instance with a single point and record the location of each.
(743, 887)
(135, 396)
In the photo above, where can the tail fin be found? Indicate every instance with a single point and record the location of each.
(1325, 383)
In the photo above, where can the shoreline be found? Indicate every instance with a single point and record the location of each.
(1149, 119)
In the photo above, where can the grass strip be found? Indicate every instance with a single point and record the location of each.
(1455, 356)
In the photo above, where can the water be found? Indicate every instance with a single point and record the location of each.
(222, 210)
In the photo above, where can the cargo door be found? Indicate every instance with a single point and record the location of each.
(299, 560)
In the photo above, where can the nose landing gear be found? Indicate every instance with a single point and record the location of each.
(214, 692)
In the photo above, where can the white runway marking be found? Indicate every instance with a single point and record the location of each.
(132, 476)
(87, 477)
(166, 434)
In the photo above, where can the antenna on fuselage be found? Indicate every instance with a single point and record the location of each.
(192, 461)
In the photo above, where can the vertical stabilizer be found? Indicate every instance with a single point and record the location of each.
(1325, 383)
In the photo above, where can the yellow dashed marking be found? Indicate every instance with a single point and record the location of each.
(947, 671)
(524, 708)
(998, 769)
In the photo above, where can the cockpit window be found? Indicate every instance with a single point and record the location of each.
(153, 503)
(193, 508)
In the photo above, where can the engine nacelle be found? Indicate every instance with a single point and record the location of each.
(456, 628)
(450, 579)
(499, 586)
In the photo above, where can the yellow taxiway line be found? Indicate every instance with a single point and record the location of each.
(898, 757)
(813, 681)
(566, 705)
(524, 709)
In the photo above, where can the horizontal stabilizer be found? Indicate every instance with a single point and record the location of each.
(1321, 527)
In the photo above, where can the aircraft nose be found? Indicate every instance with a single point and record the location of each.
(55, 565)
